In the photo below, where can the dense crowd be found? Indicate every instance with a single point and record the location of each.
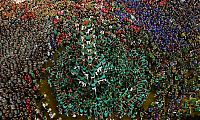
(114, 54)
(24, 47)
(105, 35)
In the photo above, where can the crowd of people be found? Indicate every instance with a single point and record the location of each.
(24, 47)
(104, 35)
(114, 54)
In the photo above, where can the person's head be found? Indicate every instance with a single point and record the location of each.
(19, 1)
